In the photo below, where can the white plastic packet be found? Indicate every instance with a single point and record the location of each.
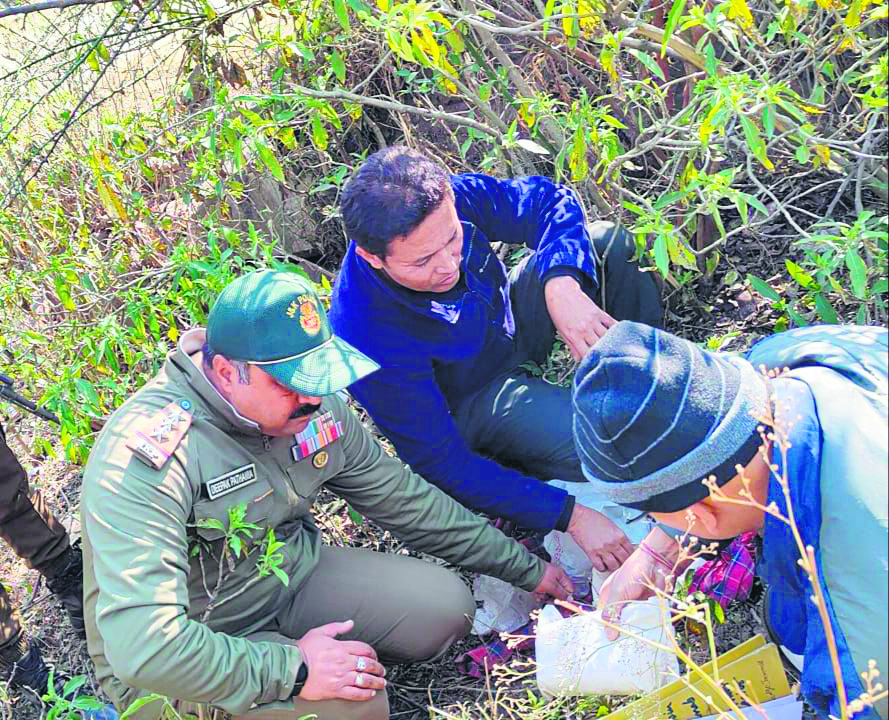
(574, 657)
(504, 607)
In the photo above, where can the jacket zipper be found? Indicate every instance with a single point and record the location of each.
(265, 443)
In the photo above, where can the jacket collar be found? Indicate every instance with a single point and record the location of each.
(186, 361)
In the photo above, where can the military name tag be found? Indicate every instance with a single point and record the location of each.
(231, 481)
(322, 431)
(155, 441)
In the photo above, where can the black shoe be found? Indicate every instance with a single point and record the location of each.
(32, 672)
(67, 586)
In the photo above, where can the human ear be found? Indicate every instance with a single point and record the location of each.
(225, 373)
(706, 516)
(374, 261)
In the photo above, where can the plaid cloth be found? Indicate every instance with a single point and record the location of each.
(477, 661)
(729, 576)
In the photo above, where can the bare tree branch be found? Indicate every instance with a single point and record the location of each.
(49, 5)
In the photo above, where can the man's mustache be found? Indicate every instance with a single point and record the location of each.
(303, 410)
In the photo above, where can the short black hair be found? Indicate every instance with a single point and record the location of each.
(390, 195)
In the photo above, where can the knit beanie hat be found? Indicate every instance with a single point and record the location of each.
(654, 415)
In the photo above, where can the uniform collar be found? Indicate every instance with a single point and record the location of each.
(186, 360)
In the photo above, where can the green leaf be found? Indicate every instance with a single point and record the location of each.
(236, 545)
(210, 524)
(141, 702)
(633, 207)
(661, 254)
(342, 14)
(355, 516)
(319, 132)
(669, 198)
(754, 201)
(282, 576)
(768, 121)
(762, 287)
(857, 273)
(648, 62)
(755, 141)
(86, 389)
(339, 67)
(93, 60)
(710, 64)
(798, 319)
(267, 157)
(825, 309)
(797, 273)
(672, 21)
(73, 684)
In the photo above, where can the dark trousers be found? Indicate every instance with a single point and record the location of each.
(522, 421)
(30, 529)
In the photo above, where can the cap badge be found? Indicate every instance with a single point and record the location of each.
(309, 320)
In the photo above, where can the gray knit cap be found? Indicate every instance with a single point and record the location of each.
(654, 415)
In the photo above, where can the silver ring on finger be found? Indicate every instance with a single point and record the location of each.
(361, 664)
(359, 680)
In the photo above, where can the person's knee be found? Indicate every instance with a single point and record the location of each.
(451, 616)
(612, 243)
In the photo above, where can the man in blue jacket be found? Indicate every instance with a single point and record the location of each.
(422, 293)
(809, 442)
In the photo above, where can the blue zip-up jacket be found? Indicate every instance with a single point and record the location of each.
(836, 399)
(435, 349)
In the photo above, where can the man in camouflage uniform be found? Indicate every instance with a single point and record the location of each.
(242, 428)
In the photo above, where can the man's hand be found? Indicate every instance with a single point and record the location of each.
(603, 541)
(637, 578)
(334, 665)
(578, 319)
(554, 583)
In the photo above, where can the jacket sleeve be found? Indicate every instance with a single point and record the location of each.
(545, 216)
(136, 528)
(428, 440)
(401, 501)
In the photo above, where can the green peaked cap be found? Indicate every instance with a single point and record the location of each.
(275, 320)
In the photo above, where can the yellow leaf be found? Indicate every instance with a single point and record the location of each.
(455, 40)
(526, 115)
(707, 127)
(825, 4)
(688, 175)
(448, 70)
(606, 57)
(383, 5)
(420, 54)
(173, 333)
(429, 42)
(823, 152)
(848, 43)
(853, 17)
(110, 200)
(739, 11)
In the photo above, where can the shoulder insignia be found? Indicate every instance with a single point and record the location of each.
(157, 439)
